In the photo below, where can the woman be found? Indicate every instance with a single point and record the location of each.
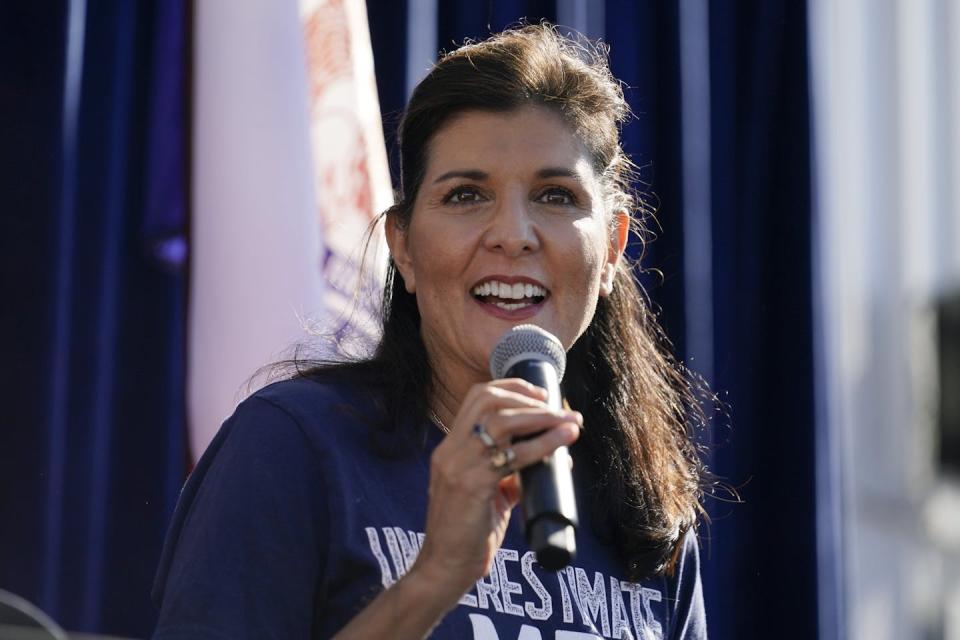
(374, 499)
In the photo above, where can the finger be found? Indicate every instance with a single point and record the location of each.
(468, 459)
(515, 392)
(527, 452)
(484, 400)
(519, 385)
(515, 388)
(507, 424)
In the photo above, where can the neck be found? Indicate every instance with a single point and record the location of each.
(450, 386)
(444, 403)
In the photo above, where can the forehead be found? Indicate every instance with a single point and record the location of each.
(527, 138)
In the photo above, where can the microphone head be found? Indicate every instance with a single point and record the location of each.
(527, 342)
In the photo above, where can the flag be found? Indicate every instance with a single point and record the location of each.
(352, 179)
(284, 183)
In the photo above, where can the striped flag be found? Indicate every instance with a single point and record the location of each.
(285, 179)
(352, 179)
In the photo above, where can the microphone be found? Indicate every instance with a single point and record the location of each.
(549, 506)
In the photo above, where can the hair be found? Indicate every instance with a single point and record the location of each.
(639, 405)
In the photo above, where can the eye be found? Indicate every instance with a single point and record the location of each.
(463, 195)
(557, 196)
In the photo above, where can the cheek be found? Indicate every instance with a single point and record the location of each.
(595, 247)
(436, 267)
(593, 259)
(432, 268)
(428, 254)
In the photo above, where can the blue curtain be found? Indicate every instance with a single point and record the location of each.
(92, 447)
(764, 560)
(92, 442)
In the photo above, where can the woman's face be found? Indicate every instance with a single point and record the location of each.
(509, 227)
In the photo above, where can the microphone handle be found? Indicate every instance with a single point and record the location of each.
(549, 504)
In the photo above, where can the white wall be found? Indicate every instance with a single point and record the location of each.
(886, 99)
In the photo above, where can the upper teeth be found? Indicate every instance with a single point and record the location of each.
(514, 291)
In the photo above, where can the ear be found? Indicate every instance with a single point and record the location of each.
(397, 241)
(618, 243)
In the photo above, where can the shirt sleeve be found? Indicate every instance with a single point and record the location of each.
(689, 620)
(244, 551)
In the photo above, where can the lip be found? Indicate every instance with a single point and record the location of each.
(511, 314)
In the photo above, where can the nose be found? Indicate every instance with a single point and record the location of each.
(512, 229)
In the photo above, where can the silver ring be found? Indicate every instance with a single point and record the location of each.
(480, 431)
(502, 460)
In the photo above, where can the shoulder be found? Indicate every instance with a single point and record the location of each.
(305, 397)
(319, 410)
(280, 432)
(253, 509)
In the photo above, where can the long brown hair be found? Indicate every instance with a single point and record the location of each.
(637, 402)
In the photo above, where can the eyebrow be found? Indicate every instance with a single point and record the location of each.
(470, 174)
(476, 174)
(559, 172)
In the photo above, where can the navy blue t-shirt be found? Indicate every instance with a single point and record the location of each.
(291, 524)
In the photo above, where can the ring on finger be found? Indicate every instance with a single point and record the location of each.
(502, 460)
(481, 432)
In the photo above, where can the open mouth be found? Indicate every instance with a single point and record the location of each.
(510, 297)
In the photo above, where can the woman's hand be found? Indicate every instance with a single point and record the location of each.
(470, 500)
(469, 506)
